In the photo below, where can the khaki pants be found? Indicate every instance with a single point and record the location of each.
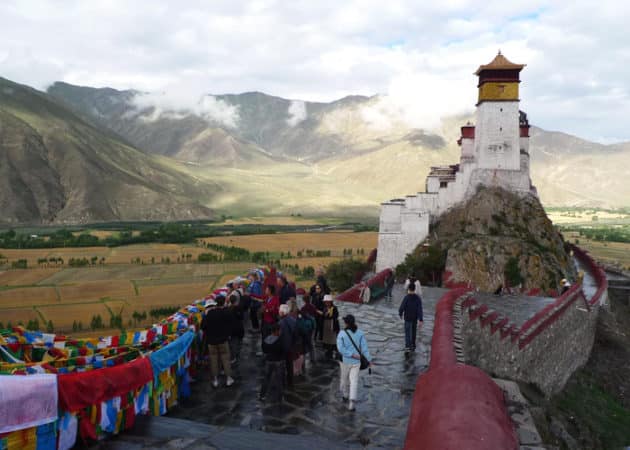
(349, 375)
(220, 351)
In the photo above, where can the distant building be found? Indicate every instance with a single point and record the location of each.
(494, 152)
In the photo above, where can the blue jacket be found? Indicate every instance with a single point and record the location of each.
(411, 308)
(345, 347)
(255, 289)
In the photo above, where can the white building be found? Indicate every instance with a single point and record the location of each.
(494, 152)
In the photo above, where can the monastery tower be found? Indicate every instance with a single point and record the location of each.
(494, 152)
(497, 141)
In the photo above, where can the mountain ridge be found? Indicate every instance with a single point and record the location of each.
(252, 153)
(59, 168)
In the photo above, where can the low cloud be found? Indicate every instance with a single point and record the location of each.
(177, 105)
(297, 112)
(420, 54)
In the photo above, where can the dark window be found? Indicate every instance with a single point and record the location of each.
(443, 184)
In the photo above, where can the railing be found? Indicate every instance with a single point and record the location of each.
(456, 406)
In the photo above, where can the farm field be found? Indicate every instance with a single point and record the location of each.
(26, 277)
(313, 262)
(28, 296)
(63, 315)
(68, 295)
(585, 217)
(294, 242)
(615, 253)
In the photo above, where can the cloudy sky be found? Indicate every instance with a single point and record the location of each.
(421, 54)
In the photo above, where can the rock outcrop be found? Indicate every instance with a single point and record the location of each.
(496, 228)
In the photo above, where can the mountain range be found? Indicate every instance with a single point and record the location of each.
(78, 154)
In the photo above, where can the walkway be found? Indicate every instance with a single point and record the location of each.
(313, 410)
(519, 308)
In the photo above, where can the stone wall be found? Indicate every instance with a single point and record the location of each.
(547, 348)
(545, 355)
(403, 225)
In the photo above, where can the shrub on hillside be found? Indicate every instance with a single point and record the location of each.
(342, 274)
(513, 273)
(424, 263)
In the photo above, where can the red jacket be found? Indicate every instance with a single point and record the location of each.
(271, 309)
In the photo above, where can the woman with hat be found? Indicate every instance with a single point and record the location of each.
(351, 344)
(330, 322)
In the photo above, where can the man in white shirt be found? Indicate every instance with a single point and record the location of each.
(411, 279)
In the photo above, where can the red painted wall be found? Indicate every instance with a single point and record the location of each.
(456, 406)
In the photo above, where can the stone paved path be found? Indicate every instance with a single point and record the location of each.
(314, 407)
(312, 415)
(518, 308)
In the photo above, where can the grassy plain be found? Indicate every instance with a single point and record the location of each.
(64, 294)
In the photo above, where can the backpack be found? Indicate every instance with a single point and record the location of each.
(305, 324)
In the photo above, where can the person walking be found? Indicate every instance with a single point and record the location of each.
(411, 311)
(270, 310)
(389, 285)
(238, 332)
(330, 325)
(218, 325)
(317, 299)
(413, 280)
(275, 357)
(255, 293)
(351, 344)
(321, 280)
(288, 331)
(286, 292)
(306, 324)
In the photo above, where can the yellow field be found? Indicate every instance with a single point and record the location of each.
(170, 295)
(63, 316)
(96, 290)
(20, 277)
(313, 262)
(66, 294)
(16, 315)
(11, 298)
(295, 242)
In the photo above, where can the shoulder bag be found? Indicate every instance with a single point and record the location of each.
(364, 362)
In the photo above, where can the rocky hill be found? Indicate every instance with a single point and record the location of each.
(57, 168)
(494, 227)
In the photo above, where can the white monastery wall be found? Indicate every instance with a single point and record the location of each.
(497, 136)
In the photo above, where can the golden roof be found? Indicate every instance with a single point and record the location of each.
(500, 62)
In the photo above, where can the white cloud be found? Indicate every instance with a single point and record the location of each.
(297, 112)
(179, 103)
(420, 54)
